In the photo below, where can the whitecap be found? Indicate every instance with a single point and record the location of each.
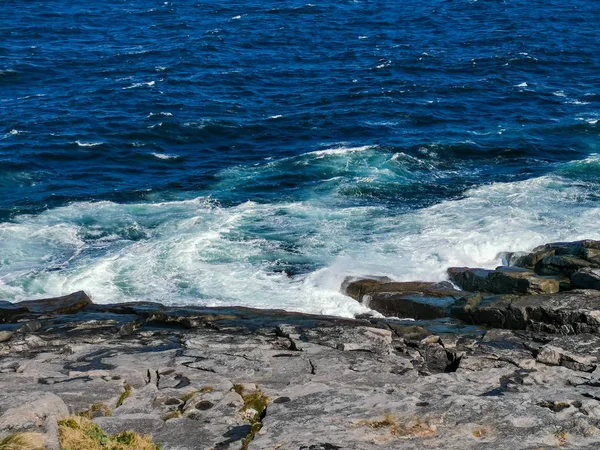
(165, 156)
(162, 113)
(341, 150)
(11, 133)
(523, 84)
(137, 85)
(87, 144)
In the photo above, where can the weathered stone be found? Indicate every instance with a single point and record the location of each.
(356, 287)
(5, 335)
(513, 280)
(469, 279)
(579, 352)
(529, 260)
(571, 312)
(417, 300)
(67, 304)
(414, 306)
(561, 265)
(503, 280)
(592, 255)
(586, 278)
(586, 249)
(33, 414)
(9, 310)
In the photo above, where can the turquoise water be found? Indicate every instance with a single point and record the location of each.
(257, 153)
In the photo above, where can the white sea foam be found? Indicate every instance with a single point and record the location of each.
(199, 252)
(11, 133)
(87, 144)
(165, 156)
(162, 113)
(523, 84)
(137, 85)
(340, 150)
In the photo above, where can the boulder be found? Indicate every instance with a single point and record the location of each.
(514, 280)
(561, 265)
(417, 306)
(587, 249)
(571, 312)
(586, 278)
(33, 415)
(67, 304)
(579, 352)
(9, 310)
(417, 300)
(503, 280)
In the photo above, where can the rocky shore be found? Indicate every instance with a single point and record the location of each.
(497, 359)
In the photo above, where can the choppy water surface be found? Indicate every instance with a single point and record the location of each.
(255, 153)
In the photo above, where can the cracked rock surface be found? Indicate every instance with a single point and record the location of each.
(202, 378)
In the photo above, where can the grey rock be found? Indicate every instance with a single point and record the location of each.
(564, 265)
(66, 304)
(579, 352)
(418, 300)
(569, 312)
(586, 278)
(5, 335)
(10, 310)
(33, 414)
(503, 280)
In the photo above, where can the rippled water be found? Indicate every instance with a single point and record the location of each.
(255, 153)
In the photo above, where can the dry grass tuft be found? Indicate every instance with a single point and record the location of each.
(80, 433)
(95, 408)
(24, 441)
(414, 428)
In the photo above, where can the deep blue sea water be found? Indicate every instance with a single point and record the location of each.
(255, 153)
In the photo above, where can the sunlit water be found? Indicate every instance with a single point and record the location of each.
(256, 153)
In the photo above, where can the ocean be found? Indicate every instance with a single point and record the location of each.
(256, 153)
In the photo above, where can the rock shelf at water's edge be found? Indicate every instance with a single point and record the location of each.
(515, 363)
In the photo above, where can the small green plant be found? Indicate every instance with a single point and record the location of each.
(255, 405)
(187, 396)
(126, 393)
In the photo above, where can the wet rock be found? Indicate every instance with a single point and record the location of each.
(586, 278)
(417, 300)
(503, 280)
(469, 279)
(67, 304)
(569, 312)
(415, 306)
(588, 250)
(356, 287)
(561, 265)
(9, 310)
